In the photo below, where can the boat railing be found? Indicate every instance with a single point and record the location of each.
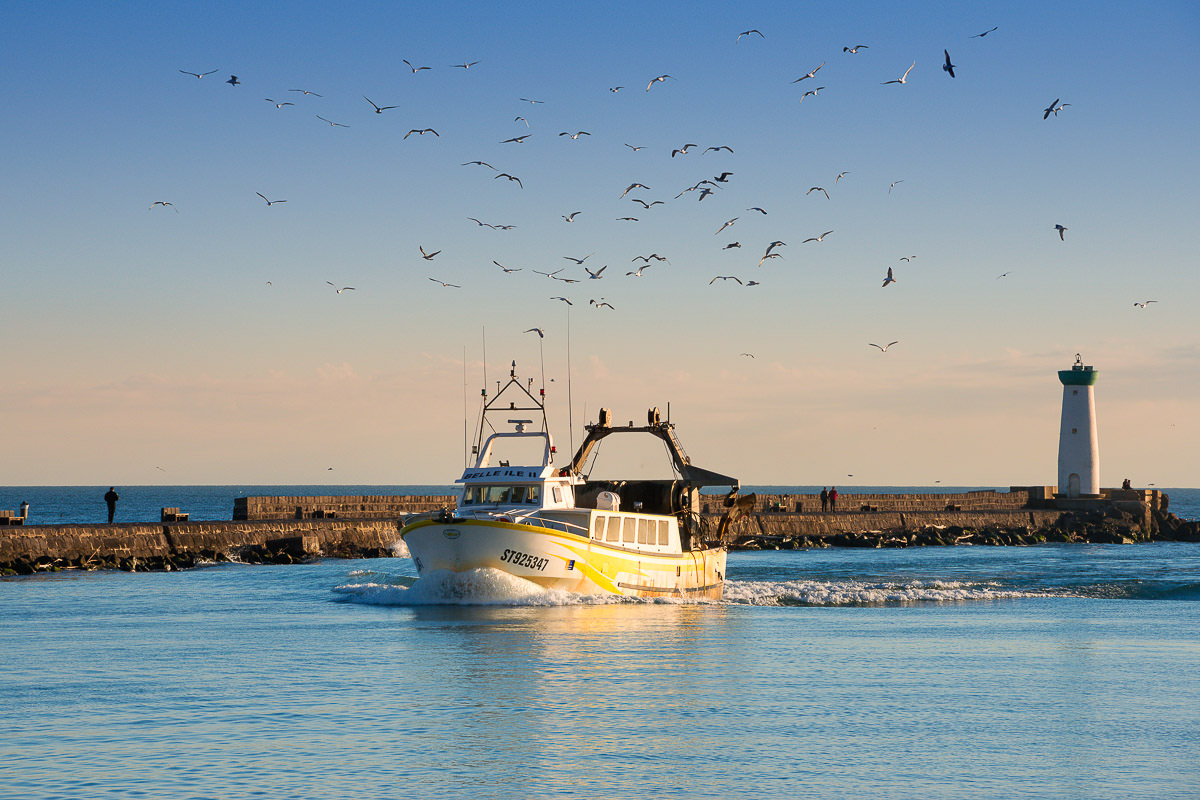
(540, 522)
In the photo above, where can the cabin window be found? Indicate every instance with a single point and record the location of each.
(598, 528)
(614, 529)
(644, 531)
(558, 494)
(495, 494)
(629, 535)
(533, 494)
(664, 529)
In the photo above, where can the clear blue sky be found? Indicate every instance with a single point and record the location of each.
(200, 342)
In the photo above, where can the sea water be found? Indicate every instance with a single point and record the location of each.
(1054, 671)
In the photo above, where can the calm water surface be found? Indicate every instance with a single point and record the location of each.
(1053, 671)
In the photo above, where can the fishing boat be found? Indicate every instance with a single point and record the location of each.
(555, 527)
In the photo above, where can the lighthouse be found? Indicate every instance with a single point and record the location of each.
(1078, 444)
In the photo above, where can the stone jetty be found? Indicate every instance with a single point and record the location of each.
(286, 530)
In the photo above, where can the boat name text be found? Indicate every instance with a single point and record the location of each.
(493, 473)
(525, 560)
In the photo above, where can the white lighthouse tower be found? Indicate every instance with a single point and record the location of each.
(1078, 445)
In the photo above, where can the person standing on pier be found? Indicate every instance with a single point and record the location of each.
(24, 510)
(110, 498)
(833, 498)
(824, 499)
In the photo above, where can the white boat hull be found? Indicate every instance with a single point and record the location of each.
(558, 560)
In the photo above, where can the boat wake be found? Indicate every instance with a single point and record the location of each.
(477, 587)
(859, 593)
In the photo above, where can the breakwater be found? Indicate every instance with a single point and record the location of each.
(288, 529)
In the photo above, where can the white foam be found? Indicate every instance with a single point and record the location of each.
(852, 593)
(474, 587)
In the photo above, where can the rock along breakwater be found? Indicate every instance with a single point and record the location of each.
(285, 530)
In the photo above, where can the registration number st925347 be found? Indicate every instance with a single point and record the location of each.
(525, 560)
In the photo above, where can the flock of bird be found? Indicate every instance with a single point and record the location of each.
(636, 192)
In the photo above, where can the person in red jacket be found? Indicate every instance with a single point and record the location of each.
(833, 499)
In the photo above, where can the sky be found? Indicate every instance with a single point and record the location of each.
(202, 343)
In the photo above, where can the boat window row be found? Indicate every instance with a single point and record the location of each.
(630, 530)
(501, 493)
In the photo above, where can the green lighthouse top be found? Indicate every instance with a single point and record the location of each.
(1078, 375)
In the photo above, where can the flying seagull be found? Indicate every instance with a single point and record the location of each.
(615, 89)
(233, 81)
(627, 219)
(465, 65)
(595, 276)
(854, 49)
(633, 186)
(507, 270)
(306, 91)
(278, 105)
(817, 189)
(1143, 305)
(683, 150)
(427, 256)
(747, 355)
(759, 210)
(510, 177)
(659, 79)
(908, 258)
(726, 225)
(883, 347)
(812, 74)
(718, 148)
(985, 33)
(947, 67)
(1061, 230)
(414, 69)
(446, 285)
(570, 217)
(565, 300)
(521, 119)
(331, 122)
(575, 135)
(1054, 108)
(343, 289)
(269, 202)
(198, 74)
(600, 304)
(903, 78)
(517, 139)
(889, 278)
(480, 163)
(530, 101)
(726, 278)
(747, 33)
(893, 185)
(538, 331)
(645, 204)
(817, 238)
(638, 272)
(840, 175)
(635, 149)
(378, 109)
(422, 132)
(579, 260)
(731, 245)
(1002, 275)
(163, 203)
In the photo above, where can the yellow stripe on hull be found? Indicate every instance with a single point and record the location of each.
(558, 560)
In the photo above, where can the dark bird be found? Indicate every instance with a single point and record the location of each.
(446, 285)
(817, 189)
(1143, 305)
(507, 270)
(422, 132)
(812, 74)
(427, 256)
(883, 347)
(480, 163)
(1054, 108)
(414, 69)
(726, 278)
(331, 122)
(747, 33)
(600, 304)
(510, 177)
(985, 33)
(481, 223)
(378, 109)
(528, 100)
(233, 81)
(659, 79)
(615, 89)
(746, 355)
(731, 245)
(197, 74)
(517, 139)
(718, 148)
(759, 210)
(723, 177)
(854, 49)
(627, 219)
(893, 185)
(269, 202)
(1061, 230)
(948, 67)
(903, 78)
(163, 203)
(889, 278)
(538, 331)
(565, 300)
(306, 91)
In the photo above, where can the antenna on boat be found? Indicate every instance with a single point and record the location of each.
(570, 405)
